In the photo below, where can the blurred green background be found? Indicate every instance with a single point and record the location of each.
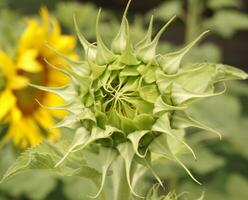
(221, 165)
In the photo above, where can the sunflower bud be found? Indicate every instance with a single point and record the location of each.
(132, 102)
(135, 98)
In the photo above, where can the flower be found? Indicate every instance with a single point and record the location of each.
(28, 122)
(128, 101)
(9, 81)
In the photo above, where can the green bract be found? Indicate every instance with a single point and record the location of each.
(127, 104)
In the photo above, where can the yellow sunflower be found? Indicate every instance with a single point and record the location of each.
(28, 122)
(9, 81)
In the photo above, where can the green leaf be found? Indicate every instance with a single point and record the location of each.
(237, 187)
(167, 9)
(40, 157)
(39, 185)
(227, 22)
(206, 162)
(219, 4)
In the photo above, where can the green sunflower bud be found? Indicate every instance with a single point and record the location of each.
(130, 103)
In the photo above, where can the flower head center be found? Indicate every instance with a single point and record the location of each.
(118, 97)
(26, 97)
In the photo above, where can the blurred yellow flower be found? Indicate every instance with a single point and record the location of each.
(9, 81)
(28, 122)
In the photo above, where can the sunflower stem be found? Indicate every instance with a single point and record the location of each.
(194, 12)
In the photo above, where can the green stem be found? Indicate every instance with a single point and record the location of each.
(193, 19)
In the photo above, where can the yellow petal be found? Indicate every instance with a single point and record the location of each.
(45, 18)
(56, 78)
(25, 133)
(45, 119)
(27, 61)
(32, 37)
(7, 100)
(18, 82)
(64, 43)
(53, 100)
(6, 64)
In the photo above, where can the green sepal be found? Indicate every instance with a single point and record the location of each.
(149, 93)
(119, 43)
(148, 53)
(169, 147)
(66, 92)
(128, 57)
(170, 63)
(181, 96)
(144, 121)
(89, 49)
(104, 55)
(97, 70)
(148, 72)
(127, 153)
(161, 106)
(70, 121)
(129, 71)
(101, 119)
(127, 125)
(180, 120)
(135, 138)
(148, 37)
(163, 125)
(106, 156)
(79, 68)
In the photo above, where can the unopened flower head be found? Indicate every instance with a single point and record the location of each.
(131, 101)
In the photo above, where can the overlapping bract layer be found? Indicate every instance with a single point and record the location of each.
(132, 101)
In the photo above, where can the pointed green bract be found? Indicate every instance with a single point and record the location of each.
(126, 102)
(106, 155)
(148, 52)
(171, 62)
(103, 55)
